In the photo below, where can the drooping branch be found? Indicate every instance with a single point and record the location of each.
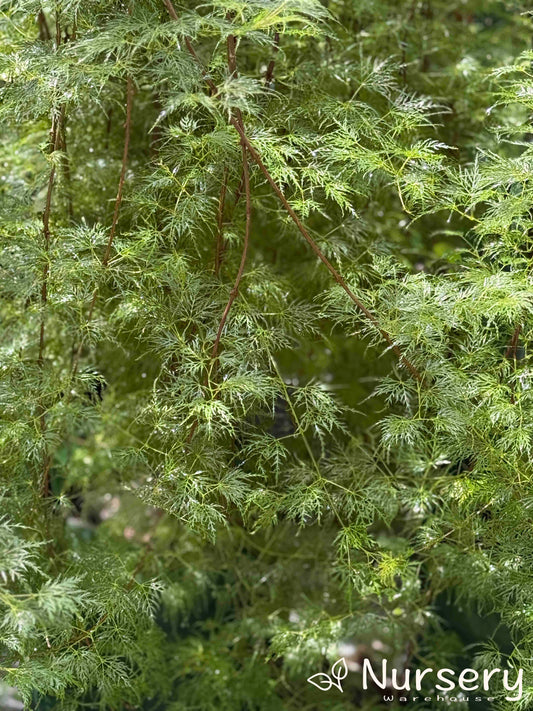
(190, 48)
(269, 76)
(257, 159)
(125, 152)
(239, 190)
(232, 65)
(338, 278)
(235, 289)
(231, 46)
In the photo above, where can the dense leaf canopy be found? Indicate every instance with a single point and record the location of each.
(266, 302)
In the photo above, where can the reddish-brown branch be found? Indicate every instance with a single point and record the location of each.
(220, 221)
(44, 30)
(272, 64)
(45, 483)
(193, 429)
(511, 350)
(338, 278)
(511, 354)
(190, 48)
(239, 190)
(232, 66)
(66, 170)
(268, 80)
(58, 28)
(55, 140)
(118, 200)
(235, 290)
(156, 133)
(236, 285)
(55, 137)
(116, 211)
(231, 46)
(109, 123)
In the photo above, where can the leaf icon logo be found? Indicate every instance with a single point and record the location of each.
(324, 681)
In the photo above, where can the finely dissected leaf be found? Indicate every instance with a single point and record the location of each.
(266, 309)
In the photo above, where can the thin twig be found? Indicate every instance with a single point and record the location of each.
(147, 548)
(44, 31)
(66, 170)
(58, 27)
(220, 221)
(232, 65)
(118, 200)
(231, 46)
(510, 353)
(269, 76)
(105, 260)
(235, 289)
(338, 278)
(257, 159)
(55, 138)
(116, 212)
(190, 48)
(238, 192)
(109, 123)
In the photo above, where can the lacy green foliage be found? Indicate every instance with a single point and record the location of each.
(209, 484)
